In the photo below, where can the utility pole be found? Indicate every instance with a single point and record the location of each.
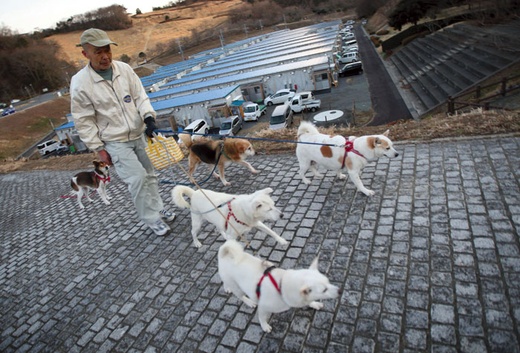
(180, 48)
(221, 36)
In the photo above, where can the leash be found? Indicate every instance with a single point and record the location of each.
(203, 181)
(215, 207)
(266, 139)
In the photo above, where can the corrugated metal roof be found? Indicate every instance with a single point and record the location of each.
(233, 79)
(194, 98)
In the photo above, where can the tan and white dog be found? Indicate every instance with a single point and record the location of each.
(337, 153)
(233, 215)
(273, 290)
(211, 152)
(97, 179)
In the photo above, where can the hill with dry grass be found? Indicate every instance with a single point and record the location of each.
(151, 32)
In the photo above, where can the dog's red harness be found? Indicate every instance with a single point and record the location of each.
(105, 179)
(349, 147)
(267, 273)
(231, 214)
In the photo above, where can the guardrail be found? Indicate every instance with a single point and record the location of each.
(477, 98)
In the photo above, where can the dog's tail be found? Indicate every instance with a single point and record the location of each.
(178, 194)
(307, 128)
(186, 139)
(74, 184)
(231, 250)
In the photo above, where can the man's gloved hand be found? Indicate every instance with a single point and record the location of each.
(150, 126)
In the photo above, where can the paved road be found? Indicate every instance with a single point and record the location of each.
(431, 263)
(387, 102)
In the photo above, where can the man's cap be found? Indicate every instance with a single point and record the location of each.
(95, 37)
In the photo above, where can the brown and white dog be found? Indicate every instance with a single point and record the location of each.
(97, 179)
(338, 153)
(212, 151)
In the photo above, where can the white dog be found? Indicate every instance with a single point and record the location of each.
(337, 153)
(274, 290)
(231, 214)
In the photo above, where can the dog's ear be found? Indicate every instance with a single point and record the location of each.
(96, 163)
(386, 133)
(377, 141)
(314, 264)
(305, 291)
(267, 191)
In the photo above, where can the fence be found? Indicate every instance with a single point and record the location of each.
(478, 97)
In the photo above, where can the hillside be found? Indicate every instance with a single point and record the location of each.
(150, 31)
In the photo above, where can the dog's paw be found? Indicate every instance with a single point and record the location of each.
(306, 181)
(82, 207)
(316, 305)
(282, 241)
(107, 202)
(227, 183)
(228, 290)
(266, 327)
(369, 192)
(341, 176)
(197, 244)
(254, 171)
(248, 302)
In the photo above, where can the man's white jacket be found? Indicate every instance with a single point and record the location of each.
(109, 110)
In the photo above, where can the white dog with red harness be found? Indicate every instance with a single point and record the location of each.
(233, 215)
(273, 290)
(338, 153)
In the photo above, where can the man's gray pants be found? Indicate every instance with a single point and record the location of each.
(135, 168)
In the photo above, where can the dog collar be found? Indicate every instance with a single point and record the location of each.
(231, 214)
(267, 273)
(105, 179)
(222, 151)
(349, 147)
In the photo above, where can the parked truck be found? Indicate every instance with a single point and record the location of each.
(304, 101)
(253, 111)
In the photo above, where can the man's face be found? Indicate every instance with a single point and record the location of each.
(100, 57)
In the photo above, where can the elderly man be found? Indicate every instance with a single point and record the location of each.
(113, 116)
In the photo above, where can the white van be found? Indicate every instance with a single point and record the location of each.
(50, 146)
(348, 57)
(281, 117)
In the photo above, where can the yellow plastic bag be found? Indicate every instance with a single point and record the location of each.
(163, 151)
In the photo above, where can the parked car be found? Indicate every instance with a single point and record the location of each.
(346, 58)
(352, 49)
(8, 111)
(304, 101)
(51, 146)
(350, 43)
(197, 128)
(253, 111)
(230, 126)
(351, 69)
(281, 96)
(348, 36)
(281, 117)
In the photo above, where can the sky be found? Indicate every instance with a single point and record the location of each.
(24, 16)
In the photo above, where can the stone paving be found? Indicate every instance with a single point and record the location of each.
(430, 263)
